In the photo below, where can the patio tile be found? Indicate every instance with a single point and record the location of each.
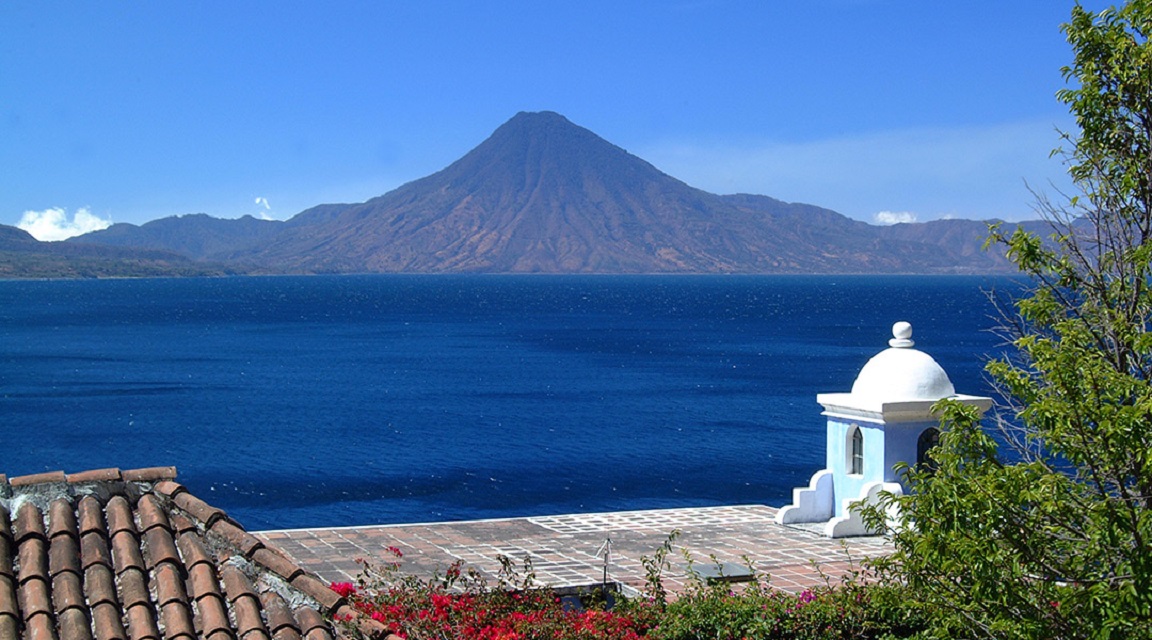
(564, 549)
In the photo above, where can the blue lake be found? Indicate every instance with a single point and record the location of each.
(317, 401)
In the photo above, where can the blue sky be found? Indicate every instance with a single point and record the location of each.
(133, 111)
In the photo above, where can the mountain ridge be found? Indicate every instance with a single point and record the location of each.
(543, 195)
(23, 256)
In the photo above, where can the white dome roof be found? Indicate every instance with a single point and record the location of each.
(902, 373)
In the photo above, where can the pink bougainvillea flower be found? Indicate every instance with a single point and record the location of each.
(345, 589)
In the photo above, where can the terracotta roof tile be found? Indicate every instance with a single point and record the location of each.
(312, 625)
(7, 571)
(150, 474)
(29, 523)
(277, 562)
(68, 592)
(8, 604)
(90, 516)
(142, 622)
(237, 537)
(74, 625)
(248, 618)
(40, 627)
(100, 585)
(233, 580)
(94, 550)
(33, 560)
(118, 555)
(39, 478)
(324, 634)
(6, 544)
(161, 548)
(64, 556)
(34, 600)
(133, 588)
(169, 488)
(107, 623)
(245, 603)
(202, 581)
(213, 616)
(151, 514)
(193, 551)
(118, 515)
(95, 475)
(177, 618)
(62, 519)
(182, 524)
(287, 633)
(313, 587)
(197, 508)
(169, 585)
(279, 615)
(126, 552)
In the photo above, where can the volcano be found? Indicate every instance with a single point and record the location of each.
(544, 195)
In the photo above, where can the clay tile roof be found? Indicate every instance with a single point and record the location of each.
(112, 554)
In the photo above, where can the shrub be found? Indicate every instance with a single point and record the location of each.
(461, 604)
(852, 610)
(1046, 531)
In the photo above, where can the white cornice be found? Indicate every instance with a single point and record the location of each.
(852, 407)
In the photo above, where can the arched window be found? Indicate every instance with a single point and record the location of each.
(855, 450)
(930, 438)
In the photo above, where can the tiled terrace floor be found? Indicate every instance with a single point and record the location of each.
(563, 549)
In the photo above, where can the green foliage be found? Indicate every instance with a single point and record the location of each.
(1048, 532)
(849, 611)
(462, 604)
(654, 568)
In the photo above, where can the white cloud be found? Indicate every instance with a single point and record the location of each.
(263, 202)
(53, 224)
(893, 217)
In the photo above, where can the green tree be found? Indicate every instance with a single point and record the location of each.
(1047, 531)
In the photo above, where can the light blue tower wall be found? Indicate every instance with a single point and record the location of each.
(848, 485)
(901, 446)
(885, 445)
(891, 404)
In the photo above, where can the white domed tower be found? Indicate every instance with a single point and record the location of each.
(886, 419)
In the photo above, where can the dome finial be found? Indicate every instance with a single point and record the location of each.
(901, 336)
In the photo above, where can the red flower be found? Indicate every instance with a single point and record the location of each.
(345, 589)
